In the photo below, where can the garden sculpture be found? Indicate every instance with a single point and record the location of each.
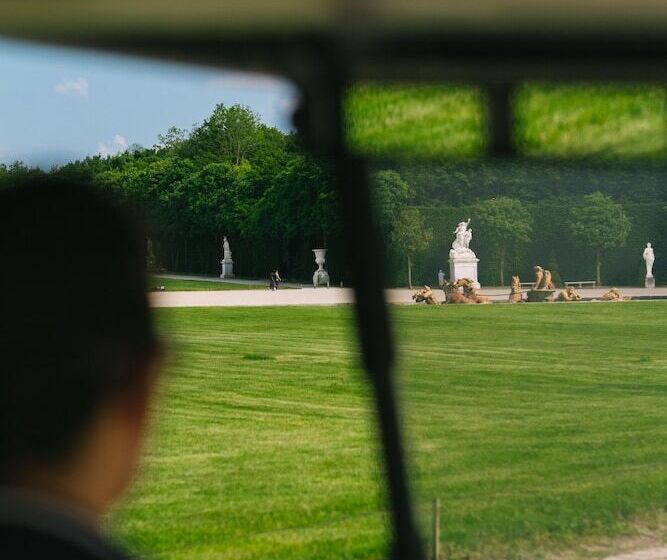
(470, 291)
(547, 282)
(614, 295)
(227, 263)
(226, 251)
(515, 290)
(426, 295)
(543, 279)
(649, 258)
(453, 293)
(569, 294)
(544, 288)
(463, 236)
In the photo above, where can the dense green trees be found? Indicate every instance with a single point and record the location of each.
(507, 225)
(409, 235)
(231, 175)
(402, 225)
(391, 193)
(599, 223)
(234, 176)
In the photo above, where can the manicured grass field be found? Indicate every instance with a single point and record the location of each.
(538, 426)
(176, 285)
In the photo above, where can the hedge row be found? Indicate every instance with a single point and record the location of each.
(551, 247)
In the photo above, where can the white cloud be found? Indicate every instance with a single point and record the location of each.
(117, 145)
(77, 87)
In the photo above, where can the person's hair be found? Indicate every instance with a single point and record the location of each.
(75, 326)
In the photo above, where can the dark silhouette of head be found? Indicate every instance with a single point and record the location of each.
(76, 332)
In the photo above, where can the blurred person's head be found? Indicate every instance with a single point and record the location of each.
(77, 345)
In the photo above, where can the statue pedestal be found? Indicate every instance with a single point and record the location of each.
(321, 278)
(649, 282)
(463, 266)
(227, 268)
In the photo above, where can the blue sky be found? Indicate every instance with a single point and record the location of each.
(60, 104)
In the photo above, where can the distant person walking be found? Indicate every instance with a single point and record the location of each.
(274, 280)
(441, 278)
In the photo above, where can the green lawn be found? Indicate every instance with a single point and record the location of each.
(538, 426)
(608, 121)
(174, 285)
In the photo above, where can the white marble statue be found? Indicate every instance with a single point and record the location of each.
(226, 251)
(226, 262)
(463, 236)
(649, 258)
(462, 259)
(461, 243)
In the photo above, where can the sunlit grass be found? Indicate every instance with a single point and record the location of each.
(538, 426)
(176, 285)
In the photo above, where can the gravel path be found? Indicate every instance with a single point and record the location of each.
(252, 298)
(330, 296)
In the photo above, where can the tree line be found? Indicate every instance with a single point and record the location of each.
(233, 175)
(594, 225)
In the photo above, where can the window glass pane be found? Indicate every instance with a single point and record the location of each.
(538, 426)
(263, 443)
(416, 121)
(609, 121)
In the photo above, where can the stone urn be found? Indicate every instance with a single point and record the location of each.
(321, 276)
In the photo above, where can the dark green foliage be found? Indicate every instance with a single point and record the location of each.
(151, 262)
(550, 241)
(231, 175)
(507, 225)
(552, 266)
(600, 223)
(409, 236)
(230, 134)
(449, 192)
(234, 176)
(459, 183)
(621, 126)
(391, 193)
